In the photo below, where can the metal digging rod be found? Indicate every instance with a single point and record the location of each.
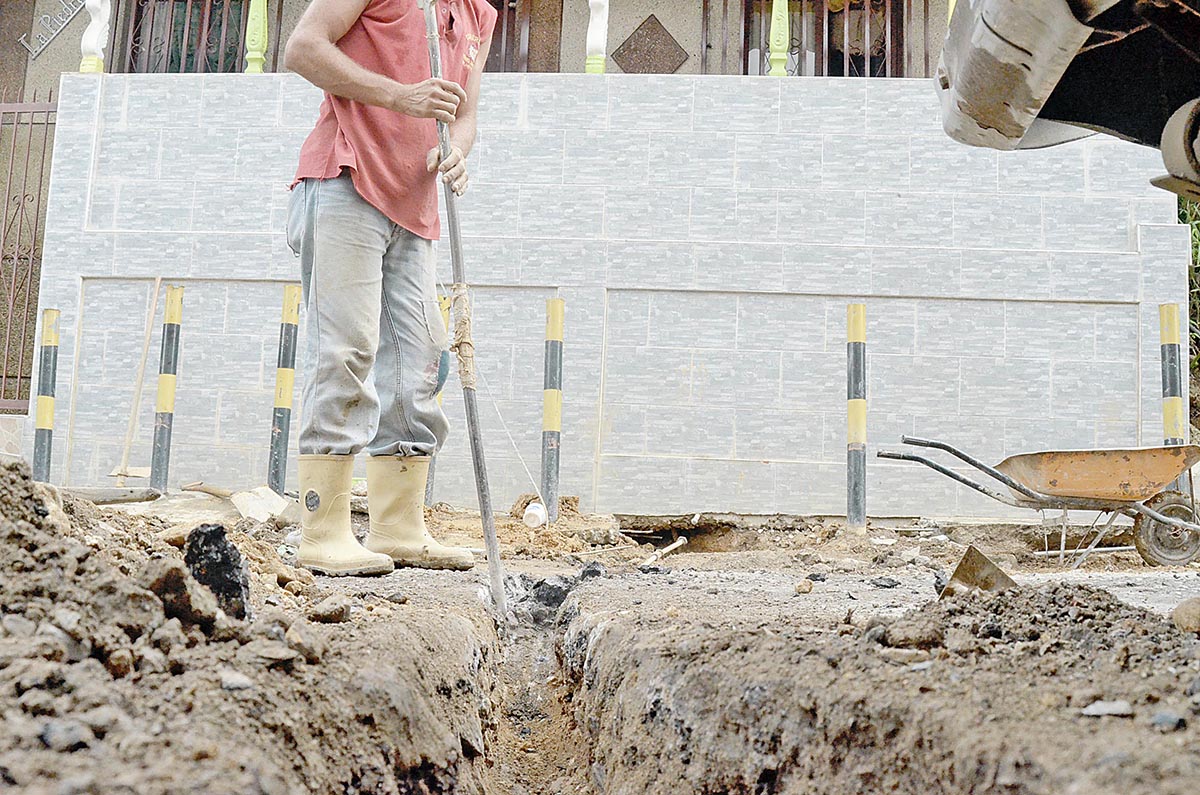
(463, 347)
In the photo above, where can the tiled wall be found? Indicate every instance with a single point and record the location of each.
(706, 234)
(10, 435)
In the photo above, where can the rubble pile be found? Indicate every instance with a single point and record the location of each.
(120, 672)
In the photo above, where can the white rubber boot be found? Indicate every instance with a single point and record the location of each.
(327, 542)
(395, 497)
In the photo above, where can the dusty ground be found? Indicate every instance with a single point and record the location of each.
(711, 673)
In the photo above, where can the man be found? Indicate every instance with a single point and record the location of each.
(363, 217)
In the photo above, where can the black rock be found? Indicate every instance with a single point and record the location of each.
(817, 576)
(182, 596)
(592, 571)
(66, 735)
(216, 564)
(885, 582)
(991, 629)
(1168, 722)
(553, 591)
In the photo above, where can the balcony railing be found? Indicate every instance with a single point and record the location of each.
(842, 38)
(187, 35)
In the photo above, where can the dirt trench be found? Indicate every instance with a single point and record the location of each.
(977, 695)
(711, 674)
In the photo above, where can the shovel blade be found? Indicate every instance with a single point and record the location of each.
(976, 572)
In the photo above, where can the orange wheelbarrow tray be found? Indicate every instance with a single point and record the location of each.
(1131, 482)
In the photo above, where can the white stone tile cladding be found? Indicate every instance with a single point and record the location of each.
(706, 233)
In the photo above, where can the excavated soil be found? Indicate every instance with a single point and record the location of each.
(107, 687)
(982, 694)
(783, 658)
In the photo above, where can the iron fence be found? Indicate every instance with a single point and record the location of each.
(849, 38)
(26, 144)
(187, 35)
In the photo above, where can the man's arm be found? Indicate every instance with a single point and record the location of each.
(462, 130)
(312, 53)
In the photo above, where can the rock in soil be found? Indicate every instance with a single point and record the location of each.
(304, 638)
(182, 597)
(66, 735)
(593, 570)
(1168, 722)
(1102, 709)
(1187, 615)
(331, 610)
(268, 654)
(233, 680)
(915, 631)
(218, 565)
(552, 591)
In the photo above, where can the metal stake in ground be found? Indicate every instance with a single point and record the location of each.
(856, 411)
(552, 401)
(285, 381)
(444, 367)
(164, 408)
(43, 434)
(463, 347)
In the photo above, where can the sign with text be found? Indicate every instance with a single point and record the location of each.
(50, 25)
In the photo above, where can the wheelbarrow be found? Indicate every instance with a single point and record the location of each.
(1137, 483)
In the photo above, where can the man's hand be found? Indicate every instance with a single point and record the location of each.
(453, 168)
(430, 99)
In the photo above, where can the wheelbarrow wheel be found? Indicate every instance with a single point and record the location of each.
(1162, 544)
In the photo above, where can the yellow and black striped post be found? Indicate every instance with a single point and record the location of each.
(285, 381)
(443, 374)
(552, 401)
(1174, 416)
(164, 407)
(43, 434)
(856, 411)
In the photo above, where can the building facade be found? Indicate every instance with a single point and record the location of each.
(827, 37)
(705, 231)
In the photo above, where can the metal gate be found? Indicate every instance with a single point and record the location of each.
(26, 145)
(187, 35)
(849, 38)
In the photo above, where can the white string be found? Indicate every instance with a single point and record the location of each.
(499, 414)
(532, 480)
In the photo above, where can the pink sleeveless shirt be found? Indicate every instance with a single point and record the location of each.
(385, 150)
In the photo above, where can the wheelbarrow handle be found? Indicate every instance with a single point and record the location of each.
(950, 473)
(1016, 486)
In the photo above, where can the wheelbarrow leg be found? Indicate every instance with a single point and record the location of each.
(1062, 538)
(1100, 534)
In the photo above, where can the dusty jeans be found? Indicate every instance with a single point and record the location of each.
(375, 346)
